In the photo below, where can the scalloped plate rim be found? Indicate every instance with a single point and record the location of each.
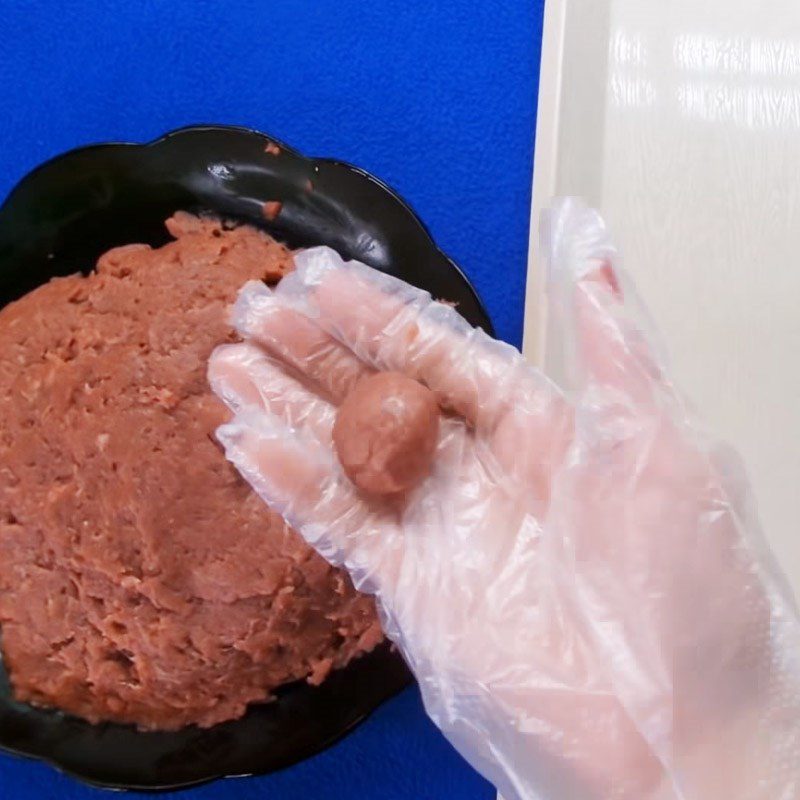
(192, 128)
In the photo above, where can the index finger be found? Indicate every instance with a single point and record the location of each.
(391, 325)
(297, 341)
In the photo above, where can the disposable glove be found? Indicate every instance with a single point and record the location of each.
(580, 587)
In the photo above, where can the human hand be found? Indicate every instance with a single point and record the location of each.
(579, 586)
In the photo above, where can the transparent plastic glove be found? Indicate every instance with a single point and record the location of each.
(580, 587)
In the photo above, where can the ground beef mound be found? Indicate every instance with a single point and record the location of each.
(141, 580)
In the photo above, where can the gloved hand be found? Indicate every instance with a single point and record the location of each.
(580, 586)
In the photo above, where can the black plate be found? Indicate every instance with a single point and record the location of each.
(57, 221)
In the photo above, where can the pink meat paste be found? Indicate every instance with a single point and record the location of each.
(141, 581)
(386, 432)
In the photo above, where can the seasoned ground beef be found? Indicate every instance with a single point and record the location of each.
(141, 580)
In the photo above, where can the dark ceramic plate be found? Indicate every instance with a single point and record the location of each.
(57, 221)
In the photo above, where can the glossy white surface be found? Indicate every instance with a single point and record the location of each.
(681, 121)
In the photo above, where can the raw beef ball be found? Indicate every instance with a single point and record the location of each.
(385, 433)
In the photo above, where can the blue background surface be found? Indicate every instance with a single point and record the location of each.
(436, 98)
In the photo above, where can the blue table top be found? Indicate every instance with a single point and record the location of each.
(438, 99)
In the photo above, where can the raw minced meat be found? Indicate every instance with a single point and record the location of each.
(141, 580)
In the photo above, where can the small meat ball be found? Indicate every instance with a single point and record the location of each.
(385, 433)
